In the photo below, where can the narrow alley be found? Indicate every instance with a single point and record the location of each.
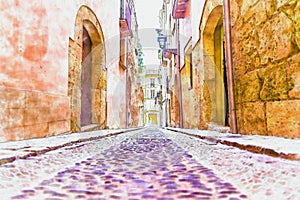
(150, 163)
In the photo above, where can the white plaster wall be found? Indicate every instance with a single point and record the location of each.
(107, 12)
(65, 12)
(196, 13)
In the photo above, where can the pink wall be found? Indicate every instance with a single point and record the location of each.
(26, 57)
(34, 44)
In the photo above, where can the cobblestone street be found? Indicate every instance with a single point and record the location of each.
(158, 100)
(150, 164)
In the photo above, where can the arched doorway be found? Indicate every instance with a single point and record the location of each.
(215, 69)
(87, 73)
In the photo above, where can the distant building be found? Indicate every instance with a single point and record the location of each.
(151, 86)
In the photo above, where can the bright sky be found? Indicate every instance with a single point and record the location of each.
(147, 12)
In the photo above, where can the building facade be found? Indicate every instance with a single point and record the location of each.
(59, 76)
(129, 65)
(240, 67)
(152, 87)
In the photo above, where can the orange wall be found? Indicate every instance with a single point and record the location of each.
(34, 63)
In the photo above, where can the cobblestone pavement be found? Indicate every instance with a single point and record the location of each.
(256, 175)
(149, 164)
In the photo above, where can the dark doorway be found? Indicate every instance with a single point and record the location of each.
(221, 75)
(86, 83)
(225, 87)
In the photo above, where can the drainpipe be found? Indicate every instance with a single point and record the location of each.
(178, 75)
(127, 83)
(126, 100)
(122, 9)
(229, 65)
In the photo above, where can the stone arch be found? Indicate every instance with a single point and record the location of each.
(87, 26)
(214, 67)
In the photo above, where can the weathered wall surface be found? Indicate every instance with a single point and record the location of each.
(34, 63)
(27, 114)
(196, 11)
(203, 107)
(189, 102)
(88, 97)
(189, 105)
(137, 101)
(265, 40)
(203, 65)
(174, 119)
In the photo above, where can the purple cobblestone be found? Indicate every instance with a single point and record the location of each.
(146, 165)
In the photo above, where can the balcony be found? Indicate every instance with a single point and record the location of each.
(179, 8)
(152, 72)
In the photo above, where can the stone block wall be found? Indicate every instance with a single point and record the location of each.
(266, 58)
(30, 114)
(37, 70)
(32, 77)
(206, 76)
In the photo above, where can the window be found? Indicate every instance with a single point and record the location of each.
(188, 63)
(152, 82)
(152, 94)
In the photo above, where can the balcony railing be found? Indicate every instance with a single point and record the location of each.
(179, 8)
(152, 72)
